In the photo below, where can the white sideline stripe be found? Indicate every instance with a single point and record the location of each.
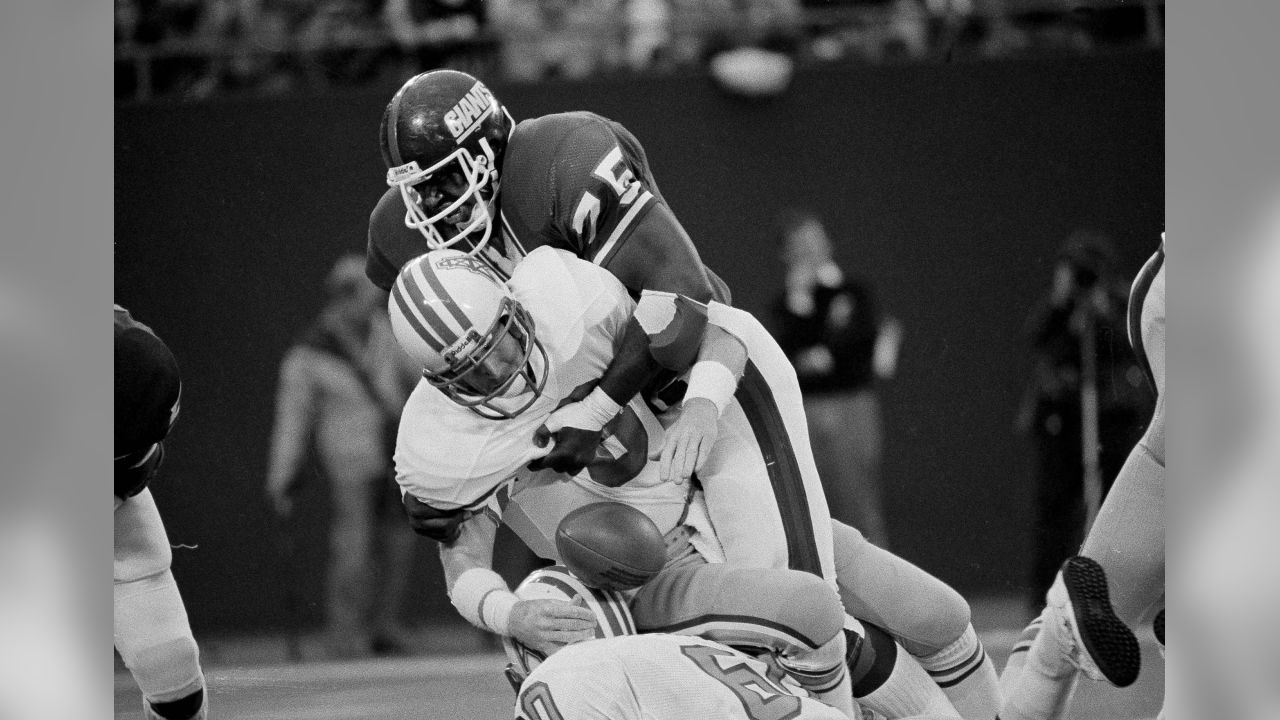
(285, 674)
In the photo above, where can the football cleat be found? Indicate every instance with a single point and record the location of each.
(1104, 647)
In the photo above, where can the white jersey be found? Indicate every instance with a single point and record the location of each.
(449, 457)
(661, 677)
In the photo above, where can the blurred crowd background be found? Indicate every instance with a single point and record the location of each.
(192, 49)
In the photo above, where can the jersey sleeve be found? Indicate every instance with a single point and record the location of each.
(584, 188)
(148, 390)
(391, 243)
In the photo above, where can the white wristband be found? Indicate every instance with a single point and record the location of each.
(483, 598)
(591, 413)
(713, 381)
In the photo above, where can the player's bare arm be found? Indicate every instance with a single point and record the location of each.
(713, 380)
(483, 598)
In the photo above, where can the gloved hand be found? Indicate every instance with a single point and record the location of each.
(688, 441)
(440, 525)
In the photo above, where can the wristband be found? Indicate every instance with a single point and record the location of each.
(598, 409)
(483, 598)
(713, 381)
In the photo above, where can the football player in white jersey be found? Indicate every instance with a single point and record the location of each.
(500, 373)
(1118, 577)
(655, 676)
(466, 437)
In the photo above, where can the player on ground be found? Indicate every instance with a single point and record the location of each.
(152, 634)
(624, 676)
(464, 174)
(1119, 575)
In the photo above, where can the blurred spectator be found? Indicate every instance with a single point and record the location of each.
(342, 386)
(649, 35)
(434, 34)
(831, 328)
(557, 38)
(1085, 306)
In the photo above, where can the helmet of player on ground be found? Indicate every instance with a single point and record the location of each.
(613, 615)
(453, 314)
(442, 137)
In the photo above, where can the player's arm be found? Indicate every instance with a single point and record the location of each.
(713, 380)
(665, 332)
(482, 597)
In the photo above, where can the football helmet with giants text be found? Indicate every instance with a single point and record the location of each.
(443, 135)
(453, 314)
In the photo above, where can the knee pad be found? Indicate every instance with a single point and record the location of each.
(154, 638)
(870, 658)
(813, 609)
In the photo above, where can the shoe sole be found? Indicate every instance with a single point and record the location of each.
(1110, 643)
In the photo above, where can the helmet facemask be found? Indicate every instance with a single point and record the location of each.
(526, 376)
(480, 175)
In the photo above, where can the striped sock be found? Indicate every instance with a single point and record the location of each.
(967, 676)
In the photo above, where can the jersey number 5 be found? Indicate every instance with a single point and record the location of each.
(761, 698)
(624, 186)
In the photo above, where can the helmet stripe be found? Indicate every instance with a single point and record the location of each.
(417, 300)
(429, 272)
(616, 620)
(407, 310)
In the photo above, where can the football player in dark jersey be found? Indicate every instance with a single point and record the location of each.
(152, 634)
(464, 174)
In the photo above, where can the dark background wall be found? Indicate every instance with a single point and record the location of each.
(950, 186)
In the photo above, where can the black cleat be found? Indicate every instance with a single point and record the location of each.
(1109, 643)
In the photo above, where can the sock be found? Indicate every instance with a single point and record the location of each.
(1018, 658)
(1043, 688)
(888, 680)
(967, 676)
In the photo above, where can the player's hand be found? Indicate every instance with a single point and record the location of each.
(573, 450)
(577, 428)
(440, 525)
(545, 624)
(688, 441)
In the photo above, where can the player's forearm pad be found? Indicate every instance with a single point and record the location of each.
(674, 324)
(483, 598)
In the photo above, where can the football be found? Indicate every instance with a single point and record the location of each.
(611, 546)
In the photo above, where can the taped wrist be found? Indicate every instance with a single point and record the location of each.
(594, 412)
(483, 598)
(713, 381)
(674, 324)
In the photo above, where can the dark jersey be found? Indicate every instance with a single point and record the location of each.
(147, 392)
(575, 181)
(845, 321)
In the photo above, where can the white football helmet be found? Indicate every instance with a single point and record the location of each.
(613, 615)
(453, 314)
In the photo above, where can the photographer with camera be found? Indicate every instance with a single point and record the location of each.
(1085, 403)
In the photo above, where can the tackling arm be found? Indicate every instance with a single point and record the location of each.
(660, 261)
